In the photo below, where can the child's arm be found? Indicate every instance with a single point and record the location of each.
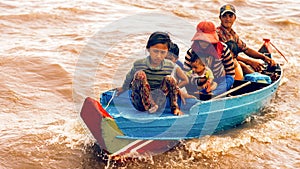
(183, 79)
(210, 79)
(207, 86)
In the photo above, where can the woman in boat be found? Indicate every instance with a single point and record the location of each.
(214, 54)
(150, 81)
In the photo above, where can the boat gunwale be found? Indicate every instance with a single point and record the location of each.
(170, 116)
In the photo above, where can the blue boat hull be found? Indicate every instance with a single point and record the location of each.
(200, 118)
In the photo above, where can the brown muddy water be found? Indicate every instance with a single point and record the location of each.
(54, 53)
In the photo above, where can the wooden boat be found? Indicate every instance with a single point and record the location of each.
(121, 130)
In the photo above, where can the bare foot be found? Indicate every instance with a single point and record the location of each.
(177, 112)
(153, 109)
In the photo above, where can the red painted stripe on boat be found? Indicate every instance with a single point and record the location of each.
(103, 111)
(157, 146)
(146, 146)
(127, 149)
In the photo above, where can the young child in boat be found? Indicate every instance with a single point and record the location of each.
(173, 54)
(150, 81)
(177, 73)
(201, 76)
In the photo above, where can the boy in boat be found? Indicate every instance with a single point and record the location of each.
(177, 73)
(173, 54)
(214, 54)
(150, 81)
(225, 32)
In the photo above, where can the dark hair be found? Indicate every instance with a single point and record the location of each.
(232, 45)
(195, 57)
(158, 37)
(174, 50)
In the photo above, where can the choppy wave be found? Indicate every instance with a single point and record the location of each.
(286, 22)
(40, 49)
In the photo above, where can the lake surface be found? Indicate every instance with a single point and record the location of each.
(54, 53)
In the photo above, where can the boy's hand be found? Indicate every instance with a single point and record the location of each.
(120, 90)
(270, 61)
(256, 65)
(208, 86)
